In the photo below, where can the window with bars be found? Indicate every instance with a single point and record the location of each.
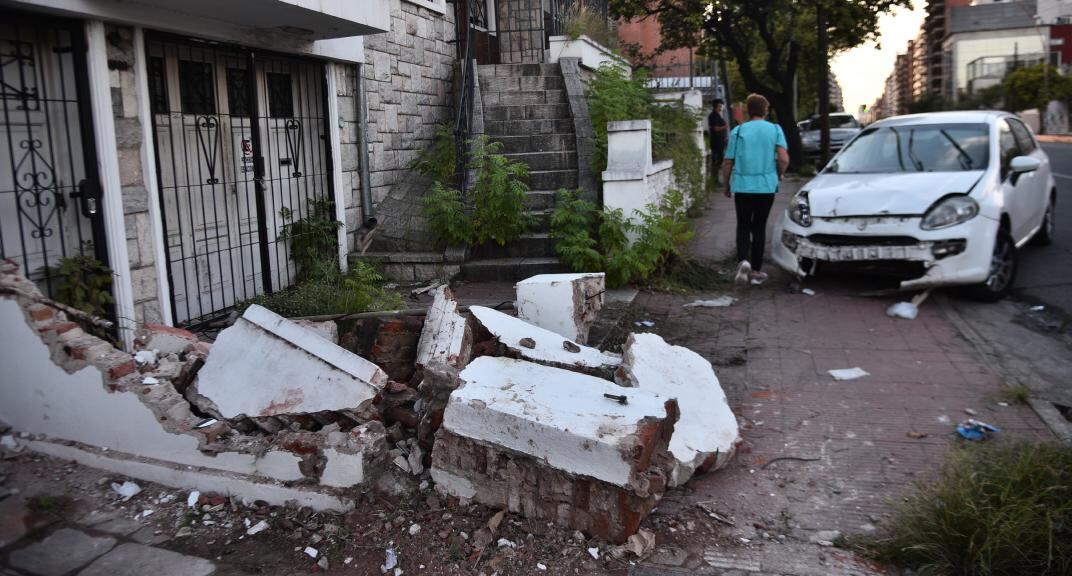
(158, 96)
(238, 92)
(280, 96)
(197, 89)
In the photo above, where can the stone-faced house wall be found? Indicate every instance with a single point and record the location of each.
(409, 78)
(128, 135)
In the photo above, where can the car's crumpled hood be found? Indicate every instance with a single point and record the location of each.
(909, 193)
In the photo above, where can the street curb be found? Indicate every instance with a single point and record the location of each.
(1058, 425)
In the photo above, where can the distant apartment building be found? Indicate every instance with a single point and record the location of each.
(935, 28)
(919, 65)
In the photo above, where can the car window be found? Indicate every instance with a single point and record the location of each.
(1007, 146)
(916, 148)
(843, 121)
(1022, 135)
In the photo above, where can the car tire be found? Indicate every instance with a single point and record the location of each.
(1044, 237)
(1002, 274)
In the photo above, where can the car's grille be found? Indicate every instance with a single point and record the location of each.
(846, 240)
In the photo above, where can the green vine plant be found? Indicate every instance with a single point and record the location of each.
(313, 239)
(498, 200)
(83, 282)
(439, 160)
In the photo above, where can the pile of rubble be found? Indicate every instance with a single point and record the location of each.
(516, 413)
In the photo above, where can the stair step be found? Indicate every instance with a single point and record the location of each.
(527, 127)
(541, 218)
(520, 83)
(558, 160)
(537, 200)
(524, 142)
(552, 179)
(506, 70)
(533, 245)
(524, 97)
(527, 112)
(510, 269)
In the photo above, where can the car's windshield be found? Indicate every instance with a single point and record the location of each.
(921, 148)
(845, 121)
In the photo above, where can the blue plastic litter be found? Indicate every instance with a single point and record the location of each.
(973, 429)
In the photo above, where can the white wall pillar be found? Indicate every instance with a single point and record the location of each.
(100, 96)
(338, 185)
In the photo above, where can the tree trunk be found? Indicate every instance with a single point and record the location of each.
(824, 86)
(787, 120)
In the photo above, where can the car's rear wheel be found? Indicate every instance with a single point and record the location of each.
(999, 282)
(1044, 237)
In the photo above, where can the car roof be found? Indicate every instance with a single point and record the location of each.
(957, 117)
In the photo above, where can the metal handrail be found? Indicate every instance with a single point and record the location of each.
(463, 123)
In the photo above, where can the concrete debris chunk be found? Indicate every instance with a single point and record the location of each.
(446, 337)
(848, 373)
(126, 490)
(706, 436)
(549, 348)
(266, 365)
(327, 330)
(544, 442)
(566, 304)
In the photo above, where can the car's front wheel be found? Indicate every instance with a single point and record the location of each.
(999, 282)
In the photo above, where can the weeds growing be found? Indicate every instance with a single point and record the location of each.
(1000, 508)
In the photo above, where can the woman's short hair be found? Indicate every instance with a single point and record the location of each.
(757, 105)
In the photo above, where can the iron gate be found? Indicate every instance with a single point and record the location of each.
(241, 150)
(49, 186)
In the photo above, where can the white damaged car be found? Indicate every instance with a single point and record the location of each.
(938, 199)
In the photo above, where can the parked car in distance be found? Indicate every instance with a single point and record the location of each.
(843, 127)
(940, 199)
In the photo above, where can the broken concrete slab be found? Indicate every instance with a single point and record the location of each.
(706, 435)
(547, 347)
(328, 330)
(547, 443)
(164, 339)
(266, 365)
(446, 337)
(354, 457)
(566, 304)
(559, 417)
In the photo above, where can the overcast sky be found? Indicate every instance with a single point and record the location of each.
(862, 71)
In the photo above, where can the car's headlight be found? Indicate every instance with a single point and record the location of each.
(799, 210)
(949, 211)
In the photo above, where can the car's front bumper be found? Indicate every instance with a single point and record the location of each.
(959, 254)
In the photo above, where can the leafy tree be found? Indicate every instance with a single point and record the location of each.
(770, 41)
(1034, 87)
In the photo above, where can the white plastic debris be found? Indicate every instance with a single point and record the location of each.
(415, 529)
(1037, 308)
(808, 292)
(906, 310)
(720, 302)
(145, 357)
(149, 381)
(645, 323)
(541, 566)
(348, 560)
(257, 528)
(127, 489)
(390, 561)
(594, 552)
(191, 500)
(206, 423)
(311, 552)
(322, 563)
(504, 543)
(145, 514)
(849, 373)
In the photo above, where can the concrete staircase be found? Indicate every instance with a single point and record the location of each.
(526, 108)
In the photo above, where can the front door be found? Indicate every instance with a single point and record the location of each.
(241, 150)
(50, 209)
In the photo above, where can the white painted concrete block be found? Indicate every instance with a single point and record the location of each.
(566, 304)
(266, 365)
(706, 434)
(553, 415)
(548, 347)
(446, 337)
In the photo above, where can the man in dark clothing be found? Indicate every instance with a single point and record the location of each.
(717, 126)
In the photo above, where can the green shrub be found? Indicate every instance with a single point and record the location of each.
(588, 239)
(1000, 508)
(361, 289)
(613, 96)
(497, 196)
(439, 160)
(83, 282)
(313, 238)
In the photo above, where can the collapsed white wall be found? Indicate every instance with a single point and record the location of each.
(565, 304)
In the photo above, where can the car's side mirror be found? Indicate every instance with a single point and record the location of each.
(1022, 164)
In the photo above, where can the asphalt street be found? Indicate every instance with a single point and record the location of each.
(1045, 272)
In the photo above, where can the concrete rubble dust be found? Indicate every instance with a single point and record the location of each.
(494, 409)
